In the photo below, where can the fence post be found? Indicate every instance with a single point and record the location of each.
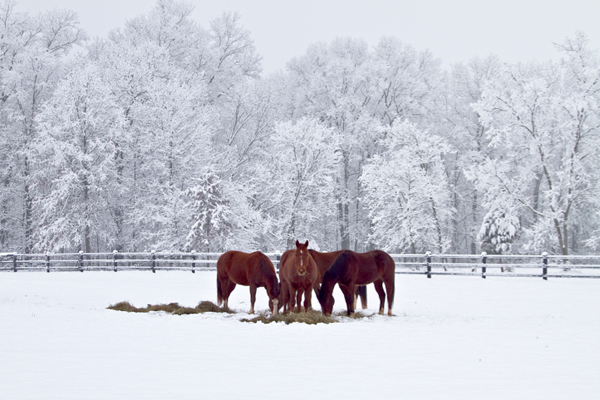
(81, 260)
(14, 263)
(545, 267)
(484, 261)
(193, 262)
(115, 260)
(153, 261)
(428, 259)
(278, 258)
(48, 262)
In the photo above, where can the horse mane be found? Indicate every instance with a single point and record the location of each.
(264, 266)
(339, 266)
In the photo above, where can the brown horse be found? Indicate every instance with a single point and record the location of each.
(324, 261)
(298, 274)
(248, 269)
(351, 269)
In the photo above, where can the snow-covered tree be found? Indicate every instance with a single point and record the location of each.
(75, 164)
(498, 231)
(465, 133)
(33, 50)
(211, 214)
(297, 181)
(164, 69)
(354, 89)
(542, 121)
(407, 193)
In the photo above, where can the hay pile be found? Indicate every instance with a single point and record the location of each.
(172, 308)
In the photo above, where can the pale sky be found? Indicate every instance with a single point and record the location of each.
(453, 30)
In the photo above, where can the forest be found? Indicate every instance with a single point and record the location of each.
(167, 136)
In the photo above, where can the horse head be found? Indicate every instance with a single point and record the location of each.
(302, 258)
(326, 300)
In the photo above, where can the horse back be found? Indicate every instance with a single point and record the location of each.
(374, 265)
(233, 265)
(385, 263)
(244, 268)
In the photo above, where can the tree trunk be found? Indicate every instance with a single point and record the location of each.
(343, 206)
(28, 210)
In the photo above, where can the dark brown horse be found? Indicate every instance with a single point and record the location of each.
(248, 269)
(324, 261)
(298, 274)
(351, 269)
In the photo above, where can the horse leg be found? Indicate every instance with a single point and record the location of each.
(348, 291)
(252, 297)
(389, 288)
(307, 299)
(283, 294)
(292, 298)
(379, 289)
(299, 299)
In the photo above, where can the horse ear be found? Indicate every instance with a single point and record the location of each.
(306, 244)
(297, 243)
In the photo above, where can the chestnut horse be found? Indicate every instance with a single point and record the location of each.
(298, 274)
(248, 269)
(324, 261)
(351, 269)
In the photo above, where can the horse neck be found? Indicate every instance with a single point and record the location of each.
(270, 282)
(329, 281)
(312, 264)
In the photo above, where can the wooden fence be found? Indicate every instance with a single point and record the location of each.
(540, 266)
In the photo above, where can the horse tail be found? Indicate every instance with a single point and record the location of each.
(221, 266)
(361, 291)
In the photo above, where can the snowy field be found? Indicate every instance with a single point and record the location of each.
(450, 338)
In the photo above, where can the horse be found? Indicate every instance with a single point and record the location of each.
(248, 269)
(351, 269)
(298, 273)
(324, 261)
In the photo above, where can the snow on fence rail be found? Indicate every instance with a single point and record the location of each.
(541, 266)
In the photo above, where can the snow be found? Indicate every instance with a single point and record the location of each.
(450, 338)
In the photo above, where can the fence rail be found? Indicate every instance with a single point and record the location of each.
(540, 266)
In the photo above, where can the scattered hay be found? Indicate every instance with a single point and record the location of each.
(311, 317)
(171, 308)
(356, 315)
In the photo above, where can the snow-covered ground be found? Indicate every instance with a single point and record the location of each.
(451, 338)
